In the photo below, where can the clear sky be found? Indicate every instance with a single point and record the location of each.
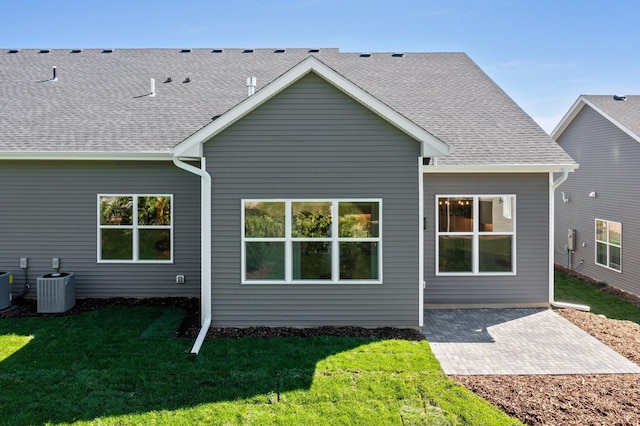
(543, 53)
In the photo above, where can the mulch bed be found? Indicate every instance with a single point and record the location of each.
(190, 327)
(535, 400)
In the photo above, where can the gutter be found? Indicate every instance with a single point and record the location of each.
(553, 186)
(205, 247)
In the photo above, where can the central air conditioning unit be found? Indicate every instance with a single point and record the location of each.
(56, 292)
(5, 289)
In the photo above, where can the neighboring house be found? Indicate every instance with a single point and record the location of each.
(349, 189)
(598, 202)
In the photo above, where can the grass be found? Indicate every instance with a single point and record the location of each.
(574, 291)
(121, 366)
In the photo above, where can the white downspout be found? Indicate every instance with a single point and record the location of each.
(421, 218)
(553, 186)
(205, 247)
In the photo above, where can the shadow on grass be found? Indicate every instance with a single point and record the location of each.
(120, 361)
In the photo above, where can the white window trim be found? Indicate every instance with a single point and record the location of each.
(135, 227)
(475, 234)
(334, 240)
(608, 243)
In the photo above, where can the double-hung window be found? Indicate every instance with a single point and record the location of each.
(609, 244)
(135, 228)
(311, 241)
(475, 234)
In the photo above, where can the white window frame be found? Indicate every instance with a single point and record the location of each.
(607, 243)
(476, 234)
(135, 227)
(334, 240)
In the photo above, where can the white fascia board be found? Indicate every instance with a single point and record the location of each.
(612, 120)
(576, 108)
(568, 118)
(507, 168)
(86, 156)
(432, 146)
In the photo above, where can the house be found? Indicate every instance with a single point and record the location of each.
(298, 187)
(596, 209)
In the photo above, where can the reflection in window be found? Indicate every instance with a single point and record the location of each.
(476, 234)
(609, 244)
(300, 240)
(135, 228)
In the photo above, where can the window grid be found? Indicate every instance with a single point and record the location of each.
(475, 233)
(611, 257)
(334, 241)
(135, 228)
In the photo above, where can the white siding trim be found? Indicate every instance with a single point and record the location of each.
(497, 168)
(433, 145)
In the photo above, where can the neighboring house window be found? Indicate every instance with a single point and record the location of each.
(475, 234)
(609, 244)
(135, 228)
(314, 241)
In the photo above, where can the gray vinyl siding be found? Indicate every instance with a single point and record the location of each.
(609, 165)
(530, 284)
(312, 141)
(49, 209)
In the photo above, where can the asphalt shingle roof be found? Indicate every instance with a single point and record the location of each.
(98, 102)
(625, 112)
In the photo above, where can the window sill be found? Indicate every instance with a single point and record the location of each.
(312, 282)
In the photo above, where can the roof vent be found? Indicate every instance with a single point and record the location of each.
(152, 88)
(168, 80)
(619, 98)
(397, 55)
(365, 55)
(247, 51)
(13, 51)
(44, 51)
(251, 85)
(55, 74)
(216, 51)
(187, 80)
(107, 50)
(279, 51)
(76, 51)
(314, 50)
(185, 51)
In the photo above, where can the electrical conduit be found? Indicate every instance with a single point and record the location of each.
(205, 247)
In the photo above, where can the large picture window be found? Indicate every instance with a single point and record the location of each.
(609, 244)
(475, 234)
(315, 241)
(135, 228)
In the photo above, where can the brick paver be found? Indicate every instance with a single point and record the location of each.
(516, 341)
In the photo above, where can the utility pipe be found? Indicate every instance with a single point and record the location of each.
(553, 186)
(205, 247)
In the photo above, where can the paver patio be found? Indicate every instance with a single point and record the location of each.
(516, 341)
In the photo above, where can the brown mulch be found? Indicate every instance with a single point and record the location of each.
(535, 400)
(607, 399)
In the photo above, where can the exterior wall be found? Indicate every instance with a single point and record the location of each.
(608, 161)
(312, 141)
(49, 209)
(529, 287)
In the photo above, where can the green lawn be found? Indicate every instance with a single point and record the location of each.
(574, 291)
(120, 366)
